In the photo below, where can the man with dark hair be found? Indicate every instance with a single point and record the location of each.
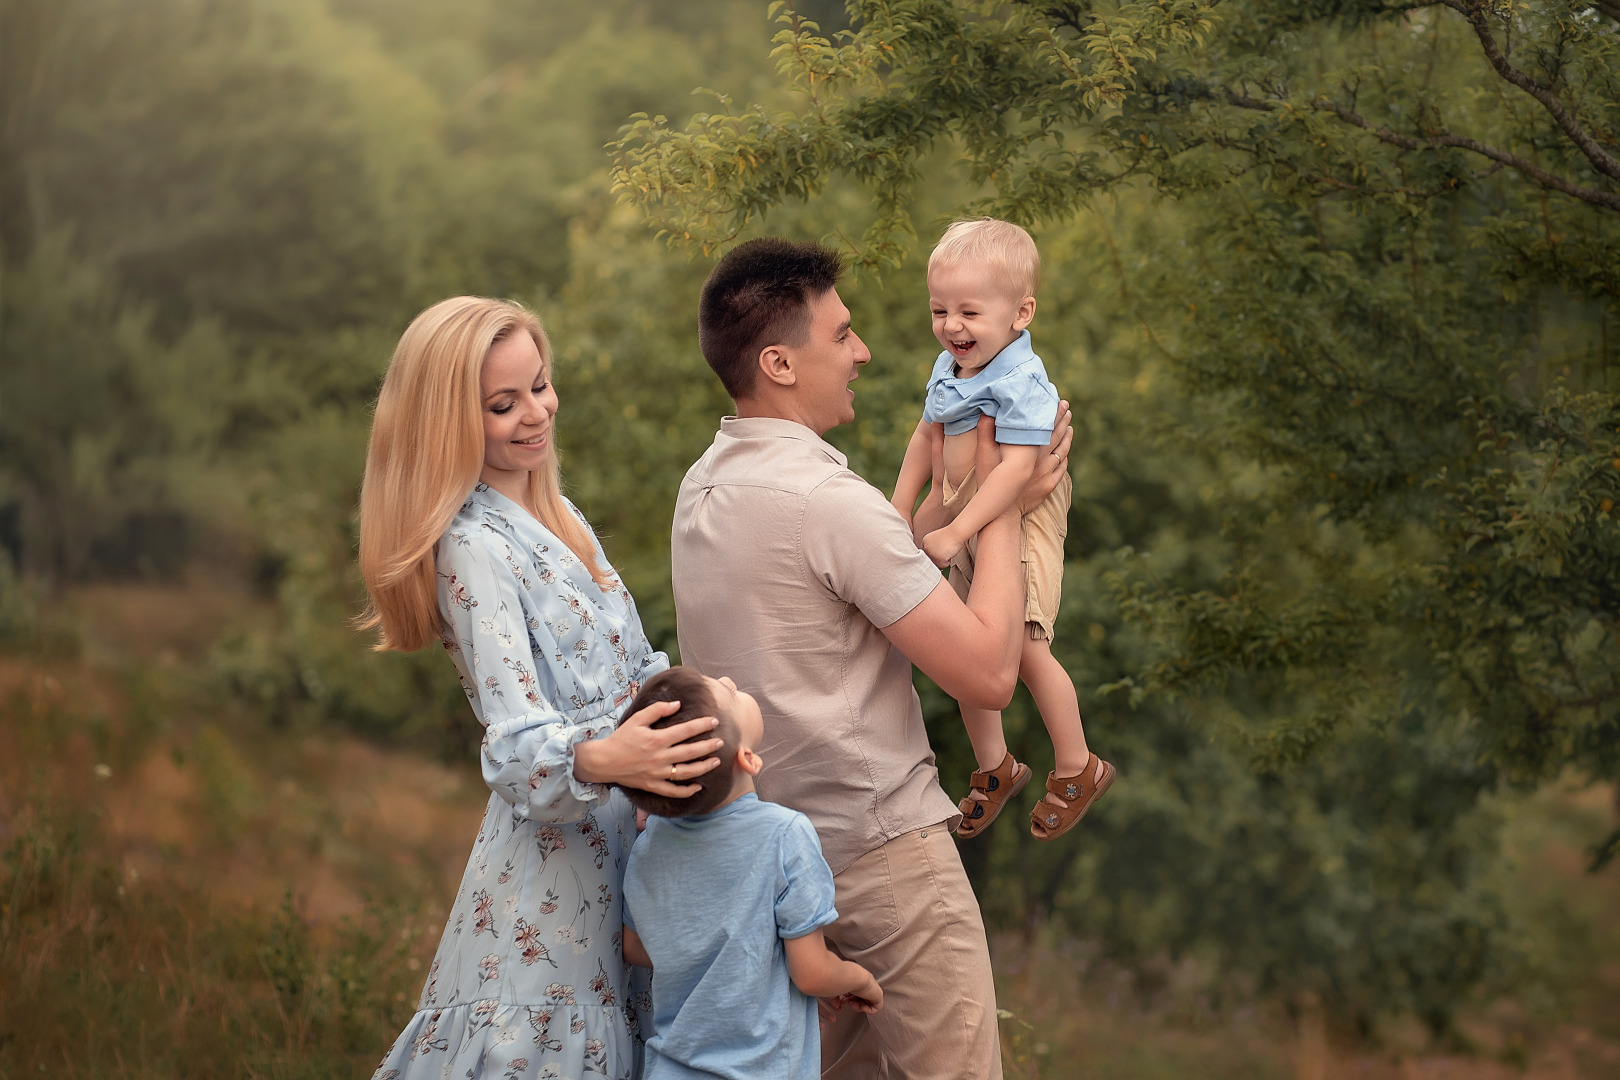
(756, 296)
(796, 576)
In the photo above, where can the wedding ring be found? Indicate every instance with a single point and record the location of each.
(672, 774)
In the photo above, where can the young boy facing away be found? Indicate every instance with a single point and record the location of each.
(982, 278)
(724, 898)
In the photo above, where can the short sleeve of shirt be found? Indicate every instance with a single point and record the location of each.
(858, 546)
(1026, 408)
(805, 902)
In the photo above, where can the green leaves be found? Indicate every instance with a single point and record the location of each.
(1333, 296)
(1343, 275)
(912, 74)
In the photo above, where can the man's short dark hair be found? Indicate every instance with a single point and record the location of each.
(689, 687)
(758, 295)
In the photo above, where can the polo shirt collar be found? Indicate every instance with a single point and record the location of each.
(735, 806)
(1018, 350)
(773, 427)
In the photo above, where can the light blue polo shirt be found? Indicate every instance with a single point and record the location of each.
(1012, 389)
(712, 896)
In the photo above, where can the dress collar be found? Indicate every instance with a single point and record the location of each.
(488, 497)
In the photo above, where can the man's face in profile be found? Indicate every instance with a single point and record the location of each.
(829, 359)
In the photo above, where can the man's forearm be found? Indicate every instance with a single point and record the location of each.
(996, 598)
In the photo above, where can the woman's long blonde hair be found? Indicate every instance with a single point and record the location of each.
(427, 449)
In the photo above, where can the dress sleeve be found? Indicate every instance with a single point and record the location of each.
(523, 689)
(1026, 407)
(804, 901)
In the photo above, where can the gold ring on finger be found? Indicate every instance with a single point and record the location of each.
(672, 774)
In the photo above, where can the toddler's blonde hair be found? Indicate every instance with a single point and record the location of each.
(1002, 247)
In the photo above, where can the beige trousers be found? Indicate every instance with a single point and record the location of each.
(908, 915)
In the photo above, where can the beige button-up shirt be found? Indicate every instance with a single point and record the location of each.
(786, 565)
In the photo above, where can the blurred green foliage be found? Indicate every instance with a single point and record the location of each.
(1342, 558)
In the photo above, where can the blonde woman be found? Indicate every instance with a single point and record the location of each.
(466, 539)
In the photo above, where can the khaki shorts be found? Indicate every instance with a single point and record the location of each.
(1040, 546)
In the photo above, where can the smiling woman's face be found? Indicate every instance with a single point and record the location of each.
(519, 405)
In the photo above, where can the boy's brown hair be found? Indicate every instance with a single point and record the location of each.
(689, 687)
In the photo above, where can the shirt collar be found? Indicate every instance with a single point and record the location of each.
(732, 807)
(1018, 350)
(773, 427)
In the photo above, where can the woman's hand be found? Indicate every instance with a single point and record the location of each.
(653, 759)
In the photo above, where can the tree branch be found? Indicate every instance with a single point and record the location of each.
(1242, 102)
(1608, 7)
(1597, 197)
(1607, 199)
(1474, 12)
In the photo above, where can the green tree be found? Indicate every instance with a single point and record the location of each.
(1372, 246)
(97, 414)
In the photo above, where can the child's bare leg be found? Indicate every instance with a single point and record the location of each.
(984, 731)
(1054, 696)
(983, 725)
(997, 779)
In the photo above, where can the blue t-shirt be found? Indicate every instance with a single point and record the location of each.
(712, 896)
(1012, 389)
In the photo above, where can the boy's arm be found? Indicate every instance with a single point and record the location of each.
(819, 973)
(998, 492)
(930, 515)
(915, 471)
(634, 951)
(971, 649)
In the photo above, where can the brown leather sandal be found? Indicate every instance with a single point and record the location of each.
(999, 785)
(1048, 820)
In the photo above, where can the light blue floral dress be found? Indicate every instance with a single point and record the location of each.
(530, 979)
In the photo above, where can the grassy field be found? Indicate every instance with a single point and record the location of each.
(186, 892)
